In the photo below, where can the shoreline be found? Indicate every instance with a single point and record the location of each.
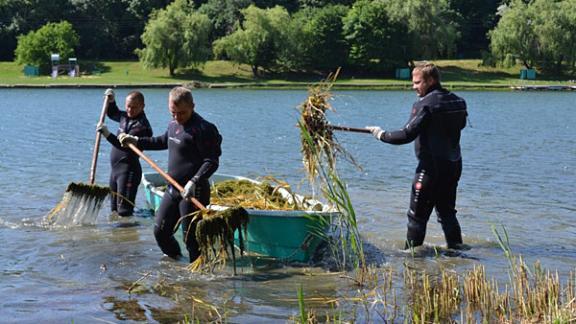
(291, 86)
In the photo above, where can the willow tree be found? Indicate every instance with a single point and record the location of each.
(258, 41)
(539, 34)
(431, 28)
(514, 36)
(176, 37)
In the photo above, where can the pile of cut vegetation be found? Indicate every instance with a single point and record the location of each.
(255, 195)
(250, 194)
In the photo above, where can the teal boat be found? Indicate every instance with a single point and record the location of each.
(292, 235)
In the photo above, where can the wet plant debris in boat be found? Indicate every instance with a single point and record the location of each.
(263, 195)
(250, 195)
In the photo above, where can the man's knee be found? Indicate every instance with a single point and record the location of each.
(161, 234)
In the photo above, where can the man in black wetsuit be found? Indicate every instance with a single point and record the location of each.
(193, 156)
(435, 124)
(126, 170)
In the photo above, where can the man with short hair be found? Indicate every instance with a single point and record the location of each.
(435, 123)
(126, 172)
(193, 156)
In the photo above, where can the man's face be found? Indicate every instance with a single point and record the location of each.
(133, 107)
(420, 84)
(180, 113)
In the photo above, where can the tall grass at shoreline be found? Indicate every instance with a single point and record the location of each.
(531, 295)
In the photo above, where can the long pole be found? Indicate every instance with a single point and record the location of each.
(97, 144)
(164, 174)
(349, 129)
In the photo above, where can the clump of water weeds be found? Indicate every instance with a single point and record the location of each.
(215, 236)
(320, 149)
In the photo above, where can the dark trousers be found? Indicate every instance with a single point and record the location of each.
(171, 210)
(434, 186)
(124, 184)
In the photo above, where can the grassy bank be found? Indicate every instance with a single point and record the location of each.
(457, 74)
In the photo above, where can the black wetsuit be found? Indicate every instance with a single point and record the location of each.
(193, 152)
(126, 170)
(435, 124)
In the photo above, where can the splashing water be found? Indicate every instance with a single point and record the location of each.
(78, 206)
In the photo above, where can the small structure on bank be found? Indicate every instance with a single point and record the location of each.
(72, 69)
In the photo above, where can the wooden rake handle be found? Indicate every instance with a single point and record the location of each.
(97, 143)
(349, 129)
(164, 175)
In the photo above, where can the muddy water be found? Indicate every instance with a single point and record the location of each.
(519, 160)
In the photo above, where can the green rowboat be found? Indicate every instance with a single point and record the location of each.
(286, 235)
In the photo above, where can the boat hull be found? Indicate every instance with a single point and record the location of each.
(284, 235)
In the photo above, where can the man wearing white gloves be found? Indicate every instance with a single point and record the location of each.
(435, 123)
(193, 156)
(126, 169)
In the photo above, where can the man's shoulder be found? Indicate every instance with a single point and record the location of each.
(203, 124)
(442, 99)
(143, 121)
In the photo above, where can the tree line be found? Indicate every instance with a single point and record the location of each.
(364, 36)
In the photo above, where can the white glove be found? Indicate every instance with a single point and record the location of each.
(376, 131)
(189, 189)
(110, 94)
(126, 139)
(102, 129)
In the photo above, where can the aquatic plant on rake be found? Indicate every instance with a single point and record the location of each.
(319, 146)
(80, 204)
(215, 236)
(320, 150)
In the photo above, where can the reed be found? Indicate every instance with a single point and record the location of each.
(432, 298)
(320, 150)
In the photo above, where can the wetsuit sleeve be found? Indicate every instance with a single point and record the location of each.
(410, 131)
(157, 143)
(113, 139)
(114, 112)
(209, 147)
(142, 129)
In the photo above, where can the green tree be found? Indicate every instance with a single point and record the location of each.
(176, 37)
(555, 26)
(431, 25)
(19, 17)
(224, 14)
(108, 28)
(475, 19)
(36, 47)
(374, 38)
(540, 34)
(514, 36)
(258, 41)
(568, 8)
(315, 39)
(323, 3)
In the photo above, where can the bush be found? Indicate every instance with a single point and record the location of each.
(35, 47)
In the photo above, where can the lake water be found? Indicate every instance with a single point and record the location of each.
(519, 172)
